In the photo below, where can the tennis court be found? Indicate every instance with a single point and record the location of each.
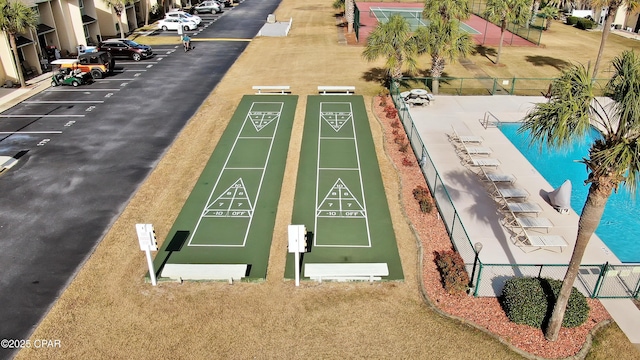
(225, 227)
(340, 196)
(412, 15)
(369, 14)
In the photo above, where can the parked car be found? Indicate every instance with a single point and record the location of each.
(210, 7)
(176, 23)
(183, 15)
(126, 48)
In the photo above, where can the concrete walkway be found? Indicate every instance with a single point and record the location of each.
(478, 211)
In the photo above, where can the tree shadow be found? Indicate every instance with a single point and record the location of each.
(377, 75)
(537, 60)
(485, 51)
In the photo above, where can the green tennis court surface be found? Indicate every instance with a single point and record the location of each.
(339, 196)
(412, 15)
(226, 225)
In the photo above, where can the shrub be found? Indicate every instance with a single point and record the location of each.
(530, 301)
(403, 147)
(391, 111)
(452, 272)
(398, 139)
(395, 124)
(584, 24)
(572, 20)
(425, 205)
(421, 194)
(406, 161)
(395, 132)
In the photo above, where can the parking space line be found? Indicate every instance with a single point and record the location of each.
(118, 79)
(221, 39)
(38, 116)
(30, 132)
(62, 101)
(85, 90)
(137, 62)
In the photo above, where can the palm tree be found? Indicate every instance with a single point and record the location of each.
(572, 111)
(446, 10)
(443, 41)
(548, 13)
(16, 18)
(349, 14)
(612, 8)
(507, 12)
(118, 7)
(394, 41)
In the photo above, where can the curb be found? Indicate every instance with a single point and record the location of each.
(34, 86)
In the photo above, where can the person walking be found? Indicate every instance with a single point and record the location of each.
(186, 42)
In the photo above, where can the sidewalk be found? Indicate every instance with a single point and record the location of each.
(12, 97)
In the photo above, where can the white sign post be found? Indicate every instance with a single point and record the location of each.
(147, 240)
(297, 245)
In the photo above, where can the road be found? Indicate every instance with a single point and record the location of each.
(86, 150)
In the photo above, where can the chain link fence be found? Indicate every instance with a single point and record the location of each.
(603, 280)
(491, 86)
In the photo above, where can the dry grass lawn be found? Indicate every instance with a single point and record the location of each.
(108, 311)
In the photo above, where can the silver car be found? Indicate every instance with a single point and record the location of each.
(211, 7)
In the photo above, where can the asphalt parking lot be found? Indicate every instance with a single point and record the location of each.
(86, 150)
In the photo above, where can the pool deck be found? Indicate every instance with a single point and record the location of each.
(479, 212)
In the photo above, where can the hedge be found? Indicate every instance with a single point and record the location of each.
(530, 301)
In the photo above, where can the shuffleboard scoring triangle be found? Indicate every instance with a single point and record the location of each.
(260, 119)
(336, 119)
(233, 202)
(340, 202)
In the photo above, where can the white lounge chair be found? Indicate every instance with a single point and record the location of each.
(535, 223)
(466, 138)
(501, 178)
(547, 242)
(477, 150)
(513, 193)
(523, 207)
(488, 162)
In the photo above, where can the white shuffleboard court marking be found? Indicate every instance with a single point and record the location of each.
(340, 202)
(260, 119)
(233, 202)
(239, 187)
(343, 196)
(336, 119)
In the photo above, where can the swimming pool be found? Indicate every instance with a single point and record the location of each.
(620, 225)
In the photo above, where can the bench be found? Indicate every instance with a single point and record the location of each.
(221, 272)
(272, 89)
(346, 271)
(338, 90)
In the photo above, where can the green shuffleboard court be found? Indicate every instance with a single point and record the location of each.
(224, 229)
(339, 195)
(412, 15)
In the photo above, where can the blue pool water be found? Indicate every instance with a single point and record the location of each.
(620, 225)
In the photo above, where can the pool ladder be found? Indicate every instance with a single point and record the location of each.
(489, 120)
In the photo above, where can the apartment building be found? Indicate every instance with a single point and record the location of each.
(65, 25)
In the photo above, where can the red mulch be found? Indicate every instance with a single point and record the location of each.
(484, 312)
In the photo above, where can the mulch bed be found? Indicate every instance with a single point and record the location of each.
(486, 313)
